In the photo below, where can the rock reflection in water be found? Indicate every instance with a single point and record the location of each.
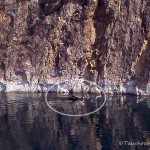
(26, 123)
(77, 104)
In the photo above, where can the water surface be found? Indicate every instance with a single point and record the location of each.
(27, 123)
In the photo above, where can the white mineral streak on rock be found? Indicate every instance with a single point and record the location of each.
(62, 90)
(148, 88)
(2, 87)
(95, 89)
(77, 88)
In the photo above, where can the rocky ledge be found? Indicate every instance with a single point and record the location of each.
(46, 41)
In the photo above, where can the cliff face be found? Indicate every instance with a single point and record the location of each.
(45, 41)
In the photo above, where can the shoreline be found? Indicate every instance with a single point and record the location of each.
(43, 88)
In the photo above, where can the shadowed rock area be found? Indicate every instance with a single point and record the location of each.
(46, 41)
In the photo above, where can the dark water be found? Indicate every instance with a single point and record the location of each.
(27, 123)
(78, 104)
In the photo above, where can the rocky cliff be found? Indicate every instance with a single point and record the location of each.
(45, 41)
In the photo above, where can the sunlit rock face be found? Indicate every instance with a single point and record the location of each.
(45, 41)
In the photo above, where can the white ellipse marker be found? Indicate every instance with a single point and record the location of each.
(70, 82)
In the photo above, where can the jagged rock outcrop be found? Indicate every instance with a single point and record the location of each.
(45, 41)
